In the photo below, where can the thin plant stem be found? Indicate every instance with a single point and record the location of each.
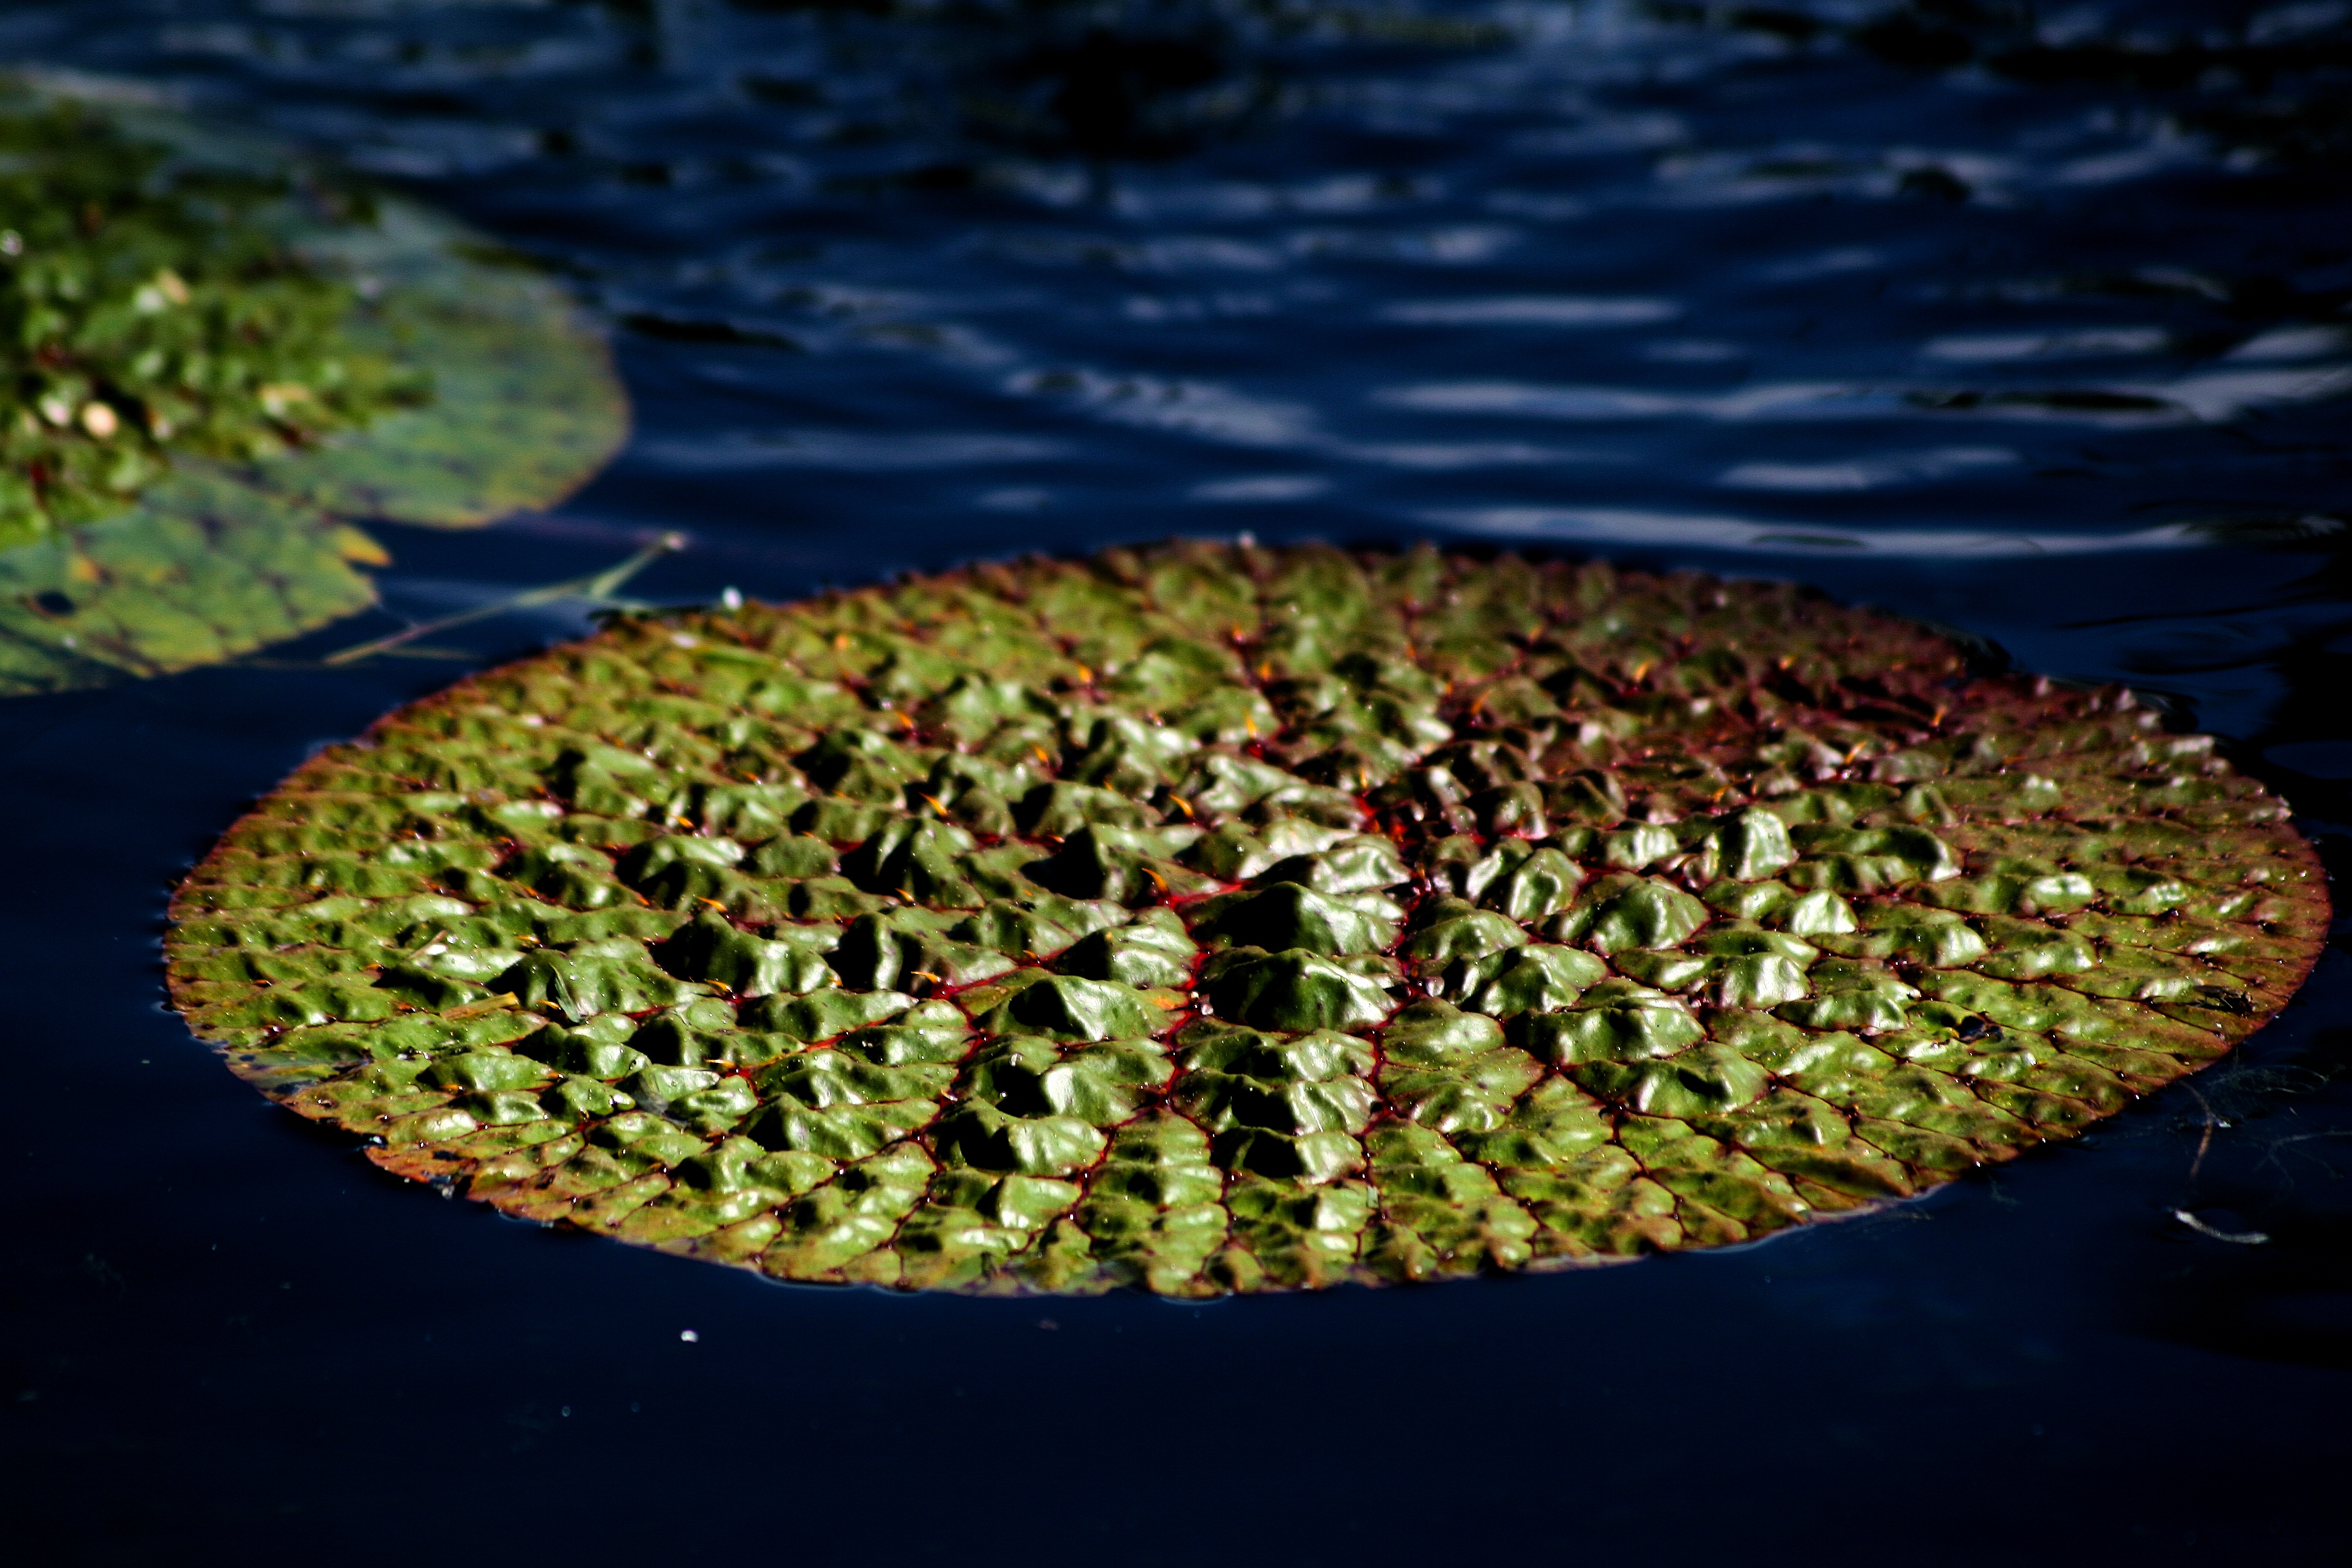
(598, 588)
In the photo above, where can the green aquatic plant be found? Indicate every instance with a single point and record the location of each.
(217, 363)
(146, 311)
(1218, 918)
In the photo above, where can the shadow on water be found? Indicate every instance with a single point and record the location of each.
(2034, 325)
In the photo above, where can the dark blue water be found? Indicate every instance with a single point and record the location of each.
(2057, 356)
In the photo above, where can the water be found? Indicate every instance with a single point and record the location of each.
(892, 292)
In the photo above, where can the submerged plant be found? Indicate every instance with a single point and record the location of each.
(213, 364)
(1214, 920)
(2267, 86)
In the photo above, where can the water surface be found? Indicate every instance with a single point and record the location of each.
(2052, 347)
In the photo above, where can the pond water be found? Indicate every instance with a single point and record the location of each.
(2040, 335)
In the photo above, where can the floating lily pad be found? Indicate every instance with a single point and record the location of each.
(226, 365)
(1556, 915)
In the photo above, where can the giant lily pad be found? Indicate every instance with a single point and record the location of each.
(1212, 919)
(219, 364)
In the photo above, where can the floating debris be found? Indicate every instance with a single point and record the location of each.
(2236, 1238)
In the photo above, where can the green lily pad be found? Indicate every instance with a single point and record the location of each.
(227, 365)
(1767, 911)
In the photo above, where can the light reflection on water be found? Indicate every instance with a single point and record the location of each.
(1395, 253)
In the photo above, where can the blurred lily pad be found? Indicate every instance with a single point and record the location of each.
(220, 555)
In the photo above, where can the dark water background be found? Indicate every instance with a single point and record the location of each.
(2037, 328)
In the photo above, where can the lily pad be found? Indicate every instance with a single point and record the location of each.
(1770, 912)
(228, 363)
